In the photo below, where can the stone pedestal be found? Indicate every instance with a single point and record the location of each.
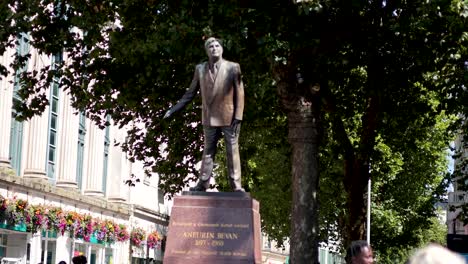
(210, 227)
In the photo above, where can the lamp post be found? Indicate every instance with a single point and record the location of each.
(368, 209)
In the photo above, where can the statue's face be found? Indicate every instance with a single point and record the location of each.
(214, 50)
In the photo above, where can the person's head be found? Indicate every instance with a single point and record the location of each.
(435, 254)
(214, 49)
(62, 262)
(79, 260)
(359, 252)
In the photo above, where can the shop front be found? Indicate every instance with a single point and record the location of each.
(57, 248)
(13, 244)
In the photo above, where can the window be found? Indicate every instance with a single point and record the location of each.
(106, 155)
(161, 197)
(80, 249)
(3, 245)
(49, 251)
(53, 121)
(81, 143)
(109, 258)
(147, 179)
(16, 132)
(16, 143)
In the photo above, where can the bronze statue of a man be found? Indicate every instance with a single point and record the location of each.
(222, 95)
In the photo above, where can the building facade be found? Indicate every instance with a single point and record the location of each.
(62, 183)
(457, 197)
(274, 254)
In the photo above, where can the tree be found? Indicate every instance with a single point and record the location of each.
(407, 186)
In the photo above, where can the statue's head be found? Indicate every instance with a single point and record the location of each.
(213, 48)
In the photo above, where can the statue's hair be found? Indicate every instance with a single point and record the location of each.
(355, 249)
(212, 39)
(436, 254)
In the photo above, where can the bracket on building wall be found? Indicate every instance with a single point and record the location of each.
(8, 191)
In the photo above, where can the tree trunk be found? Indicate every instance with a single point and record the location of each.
(303, 136)
(303, 108)
(357, 167)
(355, 182)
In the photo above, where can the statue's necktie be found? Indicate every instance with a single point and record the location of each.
(215, 69)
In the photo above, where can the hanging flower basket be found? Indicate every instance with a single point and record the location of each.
(17, 214)
(36, 218)
(137, 236)
(81, 225)
(153, 239)
(121, 233)
(14, 211)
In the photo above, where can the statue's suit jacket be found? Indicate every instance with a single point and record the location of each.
(222, 95)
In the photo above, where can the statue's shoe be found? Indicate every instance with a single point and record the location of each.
(198, 188)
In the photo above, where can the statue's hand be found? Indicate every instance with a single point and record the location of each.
(235, 124)
(167, 114)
